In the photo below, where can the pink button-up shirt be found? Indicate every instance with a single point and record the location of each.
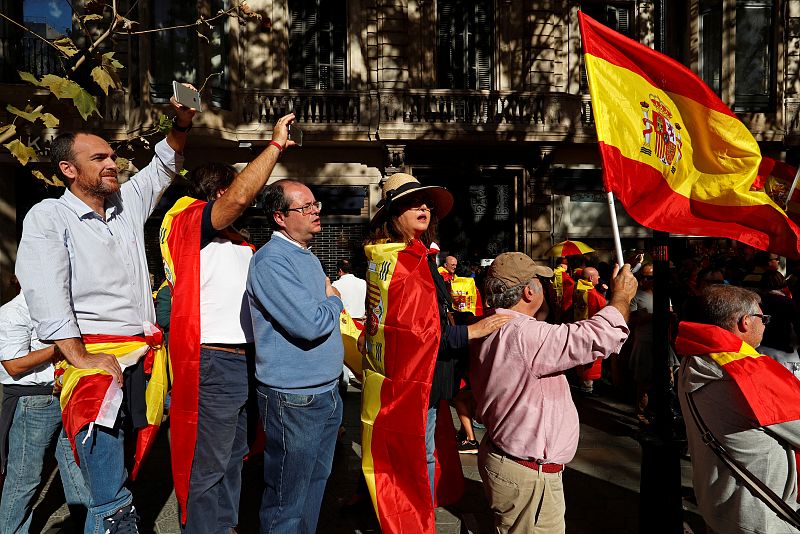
(517, 376)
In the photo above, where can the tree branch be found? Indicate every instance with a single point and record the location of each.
(106, 34)
(199, 22)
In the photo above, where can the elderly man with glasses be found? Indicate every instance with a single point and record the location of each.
(748, 403)
(299, 355)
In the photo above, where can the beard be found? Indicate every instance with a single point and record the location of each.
(101, 188)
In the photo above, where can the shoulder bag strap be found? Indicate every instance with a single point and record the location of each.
(761, 490)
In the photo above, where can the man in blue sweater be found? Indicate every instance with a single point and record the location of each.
(299, 353)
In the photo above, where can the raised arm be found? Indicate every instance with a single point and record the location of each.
(248, 183)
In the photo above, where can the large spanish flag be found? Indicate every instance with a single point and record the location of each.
(403, 333)
(673, 153)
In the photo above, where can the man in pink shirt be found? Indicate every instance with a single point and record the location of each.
(523, 397)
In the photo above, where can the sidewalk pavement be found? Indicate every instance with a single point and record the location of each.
(601, 484)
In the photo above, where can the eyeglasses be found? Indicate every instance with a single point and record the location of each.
(764, 317)
(647, 277)
(308, 208)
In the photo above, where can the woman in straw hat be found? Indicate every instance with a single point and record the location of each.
(409, 337)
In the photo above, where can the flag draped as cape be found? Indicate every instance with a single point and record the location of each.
(586, 301)
(403, 333)
(180, 249)
(770, 389)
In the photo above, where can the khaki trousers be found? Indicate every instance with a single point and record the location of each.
(522, 500)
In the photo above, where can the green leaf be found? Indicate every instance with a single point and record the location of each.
(66, 46)
(28, 77)
(86, 104)
(183, 172)
(93, 16)
(49, 120)
(53, 180)
(108, 59)
(63, 89)
(20, 151)
(103, 78)
(28, 116)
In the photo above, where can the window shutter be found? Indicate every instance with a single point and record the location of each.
(444, 44)
(317, 44)
(483, 45)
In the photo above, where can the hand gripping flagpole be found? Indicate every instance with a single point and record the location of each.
(615, 229)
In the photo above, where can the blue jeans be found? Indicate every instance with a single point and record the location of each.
(301, 438)
(216, 479)
(102, 459)
(36, 426)
(430, 448)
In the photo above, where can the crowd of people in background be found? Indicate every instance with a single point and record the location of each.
(256, 341)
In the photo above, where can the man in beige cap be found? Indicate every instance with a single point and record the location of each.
(523, 397)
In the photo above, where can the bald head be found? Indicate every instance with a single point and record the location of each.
(590, 274)
(450, 264)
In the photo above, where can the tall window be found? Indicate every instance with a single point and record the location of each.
(317, 44)
(755, 51)
(174, 52)
(617, 16)
(220, 47)
(464, 44)
(711, 44)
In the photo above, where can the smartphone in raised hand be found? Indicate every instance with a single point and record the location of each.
(296, 134)
(185, 96)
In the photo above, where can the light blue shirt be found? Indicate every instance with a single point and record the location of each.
(84, 275)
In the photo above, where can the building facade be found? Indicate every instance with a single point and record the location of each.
(486, 97)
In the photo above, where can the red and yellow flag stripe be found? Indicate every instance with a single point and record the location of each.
(673, 153)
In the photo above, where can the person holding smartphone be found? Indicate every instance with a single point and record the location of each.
(82, 267)
(211, 335)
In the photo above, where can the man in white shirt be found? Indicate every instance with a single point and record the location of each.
(353, 290)
(30, 420)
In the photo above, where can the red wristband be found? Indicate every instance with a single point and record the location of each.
(276, 145)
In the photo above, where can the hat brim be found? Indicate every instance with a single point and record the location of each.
(441, 198)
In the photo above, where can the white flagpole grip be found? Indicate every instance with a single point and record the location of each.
(615, 229)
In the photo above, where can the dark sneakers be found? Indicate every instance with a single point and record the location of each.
(468, 446)
(122, 522)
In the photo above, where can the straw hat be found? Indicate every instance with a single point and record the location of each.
(401, 184)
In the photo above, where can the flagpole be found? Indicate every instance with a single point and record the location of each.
(615, 228)
(791, 189)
